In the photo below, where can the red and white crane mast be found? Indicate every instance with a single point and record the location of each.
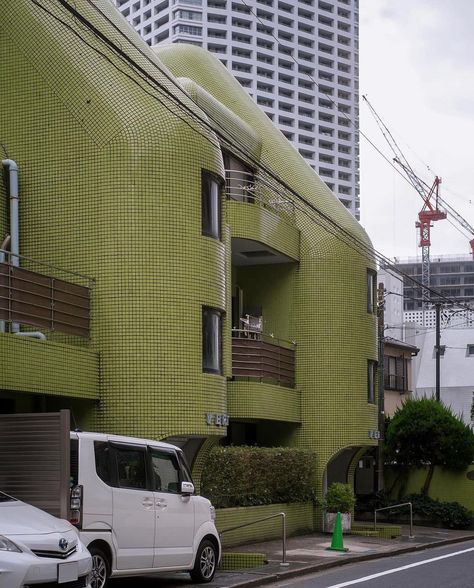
(431, 210)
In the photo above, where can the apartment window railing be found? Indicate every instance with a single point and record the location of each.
(394, 382)
(242, 186)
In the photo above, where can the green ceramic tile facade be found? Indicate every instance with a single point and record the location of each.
(384, 531)
(240, 561)
(111, 187)
(327, 308)
(270, 287)
(110, 181)
(445, 485)
(298, 520)
(249, 221)
(225, 120)
(43, 367)
(259, 400)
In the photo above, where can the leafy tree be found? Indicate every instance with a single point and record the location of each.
(424, 432)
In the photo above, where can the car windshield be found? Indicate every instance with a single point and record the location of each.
(5, 498)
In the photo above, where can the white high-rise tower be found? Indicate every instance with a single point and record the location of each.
(299, 60)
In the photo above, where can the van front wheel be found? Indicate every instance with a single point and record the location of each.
(206, 562)
(100, 567)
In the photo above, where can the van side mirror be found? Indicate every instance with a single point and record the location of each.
(187, 488)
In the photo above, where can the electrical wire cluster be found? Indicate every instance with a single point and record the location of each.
(180, 104)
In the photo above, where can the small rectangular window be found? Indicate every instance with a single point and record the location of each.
(211, 205)
(371, 372)
(470, 349)
(371, 293)
(211, 340)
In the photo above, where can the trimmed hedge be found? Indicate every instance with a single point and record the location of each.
(253, 476)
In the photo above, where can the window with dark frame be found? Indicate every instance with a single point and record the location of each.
(211, 340)
(211, 204)
(395, 373)
(371, 372)
(371, 291)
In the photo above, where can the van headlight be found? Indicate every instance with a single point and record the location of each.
(213, 513)
(7, 545)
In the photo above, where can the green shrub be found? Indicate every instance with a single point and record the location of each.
(450, 514)
(339, 498)
(425, 432)
(369, 502)
(252, 476)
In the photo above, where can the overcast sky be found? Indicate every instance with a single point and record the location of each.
(417, 69)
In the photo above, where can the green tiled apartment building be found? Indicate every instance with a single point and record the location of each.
(197, 279)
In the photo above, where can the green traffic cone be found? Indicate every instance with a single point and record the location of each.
(337, 543)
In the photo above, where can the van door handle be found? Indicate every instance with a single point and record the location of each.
(161, 503)
(147, 503)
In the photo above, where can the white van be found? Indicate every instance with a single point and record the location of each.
(133, 502)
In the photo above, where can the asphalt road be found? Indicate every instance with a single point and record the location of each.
(443, 567)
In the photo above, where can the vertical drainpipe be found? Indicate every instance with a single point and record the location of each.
(12, 169)
(3, 246)
(2, 259)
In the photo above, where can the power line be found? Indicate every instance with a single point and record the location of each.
(324, 220)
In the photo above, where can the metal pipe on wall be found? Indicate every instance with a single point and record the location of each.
(4, 245)
(13, 196)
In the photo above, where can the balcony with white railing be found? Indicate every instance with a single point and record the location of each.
(246, 187)
(262, 220)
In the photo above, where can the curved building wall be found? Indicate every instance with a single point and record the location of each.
(111, 187)
(335, 334)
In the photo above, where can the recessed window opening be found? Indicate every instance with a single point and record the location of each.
(371, 278)
(371, 370)
(211, 340)
(211, 205)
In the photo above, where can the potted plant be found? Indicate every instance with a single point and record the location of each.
(339, 498)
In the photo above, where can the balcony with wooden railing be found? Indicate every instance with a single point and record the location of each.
(42, 299)
(260, 357)
(50, 308)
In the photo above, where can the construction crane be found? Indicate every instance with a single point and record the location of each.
(431, 210)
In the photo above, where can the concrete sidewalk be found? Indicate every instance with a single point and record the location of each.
(307, 554)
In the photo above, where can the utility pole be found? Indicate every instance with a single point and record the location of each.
(438, 350)
(381, 351)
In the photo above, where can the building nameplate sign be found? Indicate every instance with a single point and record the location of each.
(217, 419)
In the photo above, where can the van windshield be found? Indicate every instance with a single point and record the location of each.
(5, 498)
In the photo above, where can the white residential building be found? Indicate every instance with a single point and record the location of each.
(450, 317)
(299, 59)
(456, 370)
(393, 298)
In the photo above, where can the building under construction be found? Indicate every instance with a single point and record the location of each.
(451, 275)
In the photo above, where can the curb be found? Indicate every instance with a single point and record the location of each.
(312, 568)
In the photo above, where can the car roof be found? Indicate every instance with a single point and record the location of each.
(121, 439)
